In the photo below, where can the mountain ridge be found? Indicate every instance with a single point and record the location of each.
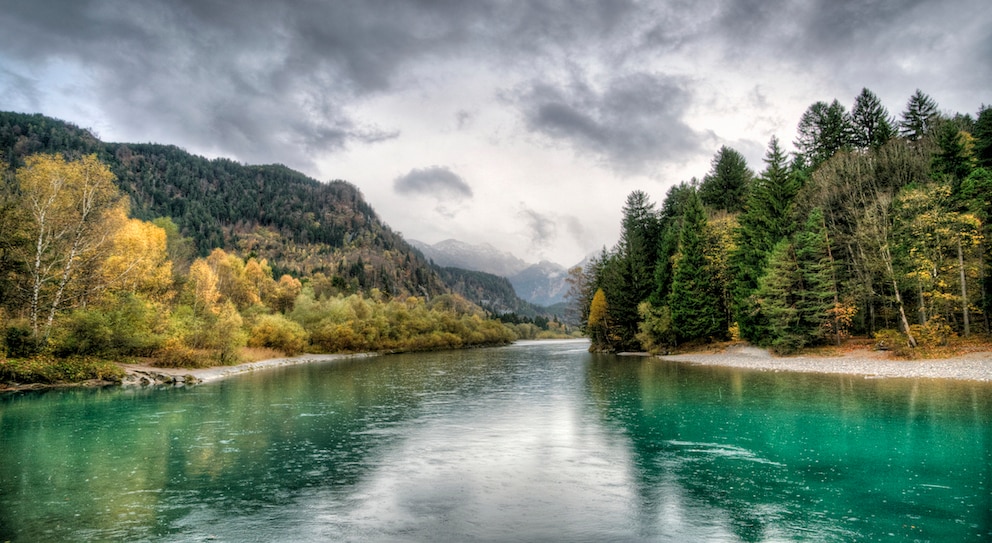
(542, 283)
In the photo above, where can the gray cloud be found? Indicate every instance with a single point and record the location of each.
(632, 122)
(282, 81)
(19, 90)
(542, 229)
(435, 181)
(264, 81)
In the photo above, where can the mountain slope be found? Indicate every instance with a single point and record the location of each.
(301, 226)
(542, 284)
(483, 257)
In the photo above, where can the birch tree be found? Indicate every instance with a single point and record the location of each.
(66, 203)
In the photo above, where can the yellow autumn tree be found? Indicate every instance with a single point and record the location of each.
(202, 286)
(138, 262)
(232, 280)
(599, 320)
(66, 204)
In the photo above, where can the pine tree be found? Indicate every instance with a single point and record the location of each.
(818, 305)
(670, 229)
(696, 306)
(778, 294)
(983, 137)
(872, 125)
(823, 130)
(629, 274)
(919, 118)
(765, 221)
(726, 186)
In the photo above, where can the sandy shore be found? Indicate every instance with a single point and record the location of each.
(972, 367)
(145, 375)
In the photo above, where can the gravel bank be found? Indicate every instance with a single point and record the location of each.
(972, 367)
(149, 375)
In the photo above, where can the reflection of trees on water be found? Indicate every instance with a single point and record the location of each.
(148, 460)
(770, 455)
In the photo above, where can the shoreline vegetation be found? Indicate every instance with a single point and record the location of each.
(85, 284)
(857, 359)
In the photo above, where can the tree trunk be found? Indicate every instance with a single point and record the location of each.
(895, 287)
(964, 291)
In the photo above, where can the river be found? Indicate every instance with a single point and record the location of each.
(538, 441)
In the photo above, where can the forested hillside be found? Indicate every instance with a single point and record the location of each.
(110, 252)
(299, 225)
(874, 226)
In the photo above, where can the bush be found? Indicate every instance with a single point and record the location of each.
(21, 342)
(278, 332)
(52, 370)
(124, 329)
(175, 354)
(893, 340)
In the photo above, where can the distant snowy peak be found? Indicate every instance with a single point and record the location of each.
(483, 257)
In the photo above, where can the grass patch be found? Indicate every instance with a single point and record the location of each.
(54, 370)
(256, 354)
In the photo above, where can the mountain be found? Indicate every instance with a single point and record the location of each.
(542, 284)
(301, 226)
(483, 257)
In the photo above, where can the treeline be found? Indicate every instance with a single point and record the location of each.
(81, 277)
(299, 225)
(872, 227)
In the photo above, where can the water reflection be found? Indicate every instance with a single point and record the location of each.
(530, 442)
(761, 456)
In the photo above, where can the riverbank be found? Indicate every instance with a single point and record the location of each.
(976, 366)
(142, 375)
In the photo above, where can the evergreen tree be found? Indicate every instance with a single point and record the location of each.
(696, 305)
(725, 187)
(982, 132)
(919, 118)
(872, 125)
(818, 306)
(631, 270)
(778, 293)
(670, 229)
(796, 295)
(765, 221)
(956, 155)
(823, 130)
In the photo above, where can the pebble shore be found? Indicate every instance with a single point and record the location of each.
(870, 364)
(147, 375)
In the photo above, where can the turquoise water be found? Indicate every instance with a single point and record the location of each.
(532, 442)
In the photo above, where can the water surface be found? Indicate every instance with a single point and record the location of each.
(532, 442)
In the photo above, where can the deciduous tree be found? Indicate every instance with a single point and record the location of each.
(66, 203)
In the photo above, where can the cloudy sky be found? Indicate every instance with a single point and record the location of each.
(521, 124)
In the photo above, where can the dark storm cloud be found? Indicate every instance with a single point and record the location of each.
(281, 81)
(892, 47)
(635, 120)
(436, 181)
(266, 80)
(274, 81)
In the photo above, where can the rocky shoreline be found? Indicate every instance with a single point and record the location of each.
(140, 375)
(866, 363)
